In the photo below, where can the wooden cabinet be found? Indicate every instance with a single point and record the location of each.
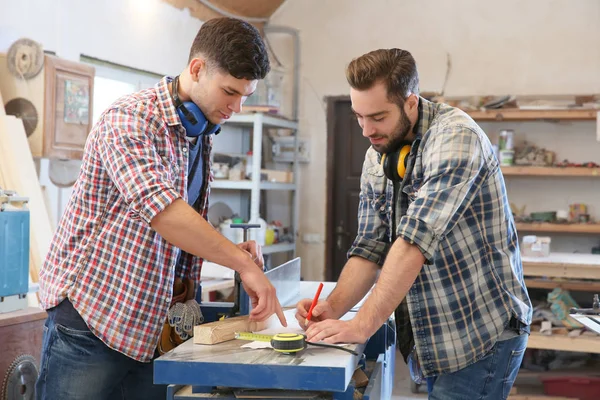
(55, 105)
(21, 334)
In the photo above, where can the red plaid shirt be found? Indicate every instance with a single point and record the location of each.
(104, 256)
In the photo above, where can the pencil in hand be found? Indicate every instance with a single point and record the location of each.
(314, 303)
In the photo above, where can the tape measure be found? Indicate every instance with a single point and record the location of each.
(287, 343)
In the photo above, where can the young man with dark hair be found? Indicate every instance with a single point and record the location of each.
(135, 230)
(437, 236)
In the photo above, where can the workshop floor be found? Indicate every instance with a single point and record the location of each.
(401, 389)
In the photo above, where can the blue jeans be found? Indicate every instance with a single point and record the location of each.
(490, 378)
(75, 364)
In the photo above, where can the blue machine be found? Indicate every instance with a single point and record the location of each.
(192, 369)
(14, 245)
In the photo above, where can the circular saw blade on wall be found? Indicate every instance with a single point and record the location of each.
(64, 173)
(24, 110)
(19, 382)
(25, 58)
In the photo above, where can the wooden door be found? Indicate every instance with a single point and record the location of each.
(345, 156)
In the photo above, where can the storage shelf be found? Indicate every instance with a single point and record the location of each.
(563, 265)
(584, 343)
(247, 185)
(269, 121)
(278, 248)
(582, 286)
(552, 171)
(516, 114)
(558, 228)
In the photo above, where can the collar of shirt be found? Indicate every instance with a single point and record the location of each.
(166, 103)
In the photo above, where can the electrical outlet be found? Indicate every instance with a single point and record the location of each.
(312, 238)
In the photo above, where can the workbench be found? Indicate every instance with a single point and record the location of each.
(192, 371)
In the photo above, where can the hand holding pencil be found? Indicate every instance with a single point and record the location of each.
(313, 310)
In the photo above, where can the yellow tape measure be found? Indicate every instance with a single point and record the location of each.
(287, 343)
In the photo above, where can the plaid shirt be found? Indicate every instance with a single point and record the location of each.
(115, 269)
(453, 206)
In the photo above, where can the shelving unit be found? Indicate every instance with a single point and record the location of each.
(552, 171)
(584, 344)
(566, 284)
(516, 114)
(543, 227)
(563, 265)
(570, 271)
(247, 185)
(256, 124)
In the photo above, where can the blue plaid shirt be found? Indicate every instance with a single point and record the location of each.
(452, 205)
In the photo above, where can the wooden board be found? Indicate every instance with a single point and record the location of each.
(560, 228)
(222, 331)
(584, 343)
(31, 90)
(551, 171)
(18, 173)
(563, 265)
(566, 284)
(515, 114)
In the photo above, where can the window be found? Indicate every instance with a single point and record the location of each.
(113, 81)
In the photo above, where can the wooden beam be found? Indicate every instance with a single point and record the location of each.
(516, 114)
(563, 265)
(559, 228)
(582, 286)
(222, 331)
(583, 343)
(18, 173)
(552, 171)
(241, 8)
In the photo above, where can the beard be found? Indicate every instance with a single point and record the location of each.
(399, 134)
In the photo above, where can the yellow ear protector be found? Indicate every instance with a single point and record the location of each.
(394, 163)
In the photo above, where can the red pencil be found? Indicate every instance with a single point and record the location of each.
(314, 302)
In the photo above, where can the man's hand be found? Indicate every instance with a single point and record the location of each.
(336, 331)
(255, 251)
(263, 295)
(321, 312)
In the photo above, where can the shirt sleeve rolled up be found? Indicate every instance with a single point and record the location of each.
(453, 166)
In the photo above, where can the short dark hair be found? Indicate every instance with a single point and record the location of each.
(234, 46)
(396, 68)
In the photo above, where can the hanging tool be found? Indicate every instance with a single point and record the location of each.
(237, 288)
(287, 343)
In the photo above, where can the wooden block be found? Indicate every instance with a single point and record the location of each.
(360, 378)
(222, 331)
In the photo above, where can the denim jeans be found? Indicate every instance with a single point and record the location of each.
(490, 378)
(75, 365)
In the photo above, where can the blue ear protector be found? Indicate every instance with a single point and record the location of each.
(191, 117)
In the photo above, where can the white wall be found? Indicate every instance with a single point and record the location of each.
(145, 34)
(517, 47)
